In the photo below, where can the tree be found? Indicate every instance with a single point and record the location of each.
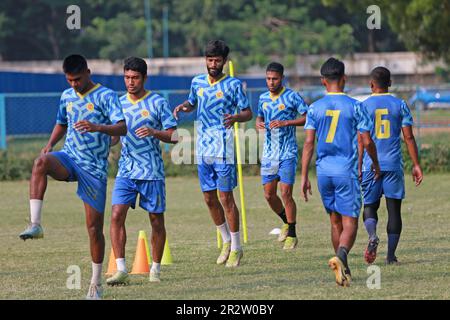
(422, 25)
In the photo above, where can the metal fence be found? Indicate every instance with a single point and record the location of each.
(25, 115)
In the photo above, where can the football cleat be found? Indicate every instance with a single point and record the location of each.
(370, 254)
(290, 243)
(154, 276)
(119, 278)
(392, 261)
(224, 254)
(95, 292)
(33, 231)
(283, 233)
(342, 279)
(234, 259)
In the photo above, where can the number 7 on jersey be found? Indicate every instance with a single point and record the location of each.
(334, 114)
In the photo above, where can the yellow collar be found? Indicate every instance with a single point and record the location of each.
(275, 97)
(212, 84)
(337, 93)
(381, 94)
(138, 100)
(82, 96)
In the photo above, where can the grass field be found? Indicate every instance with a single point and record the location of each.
(37, 269)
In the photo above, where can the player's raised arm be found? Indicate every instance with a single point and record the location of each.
(168, 136)
(243, 116)
(168, 133)
(302, 109)
(118, 129)
(184, 107)
(285, 123)
(411, 145)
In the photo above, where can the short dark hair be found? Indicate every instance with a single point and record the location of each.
(332, 69)
(275, 67)
(135, 64)
(381, 76)
(75, 64)
(217, 48)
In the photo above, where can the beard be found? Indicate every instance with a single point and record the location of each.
(214, 72)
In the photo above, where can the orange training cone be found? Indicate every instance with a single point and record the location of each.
(141, 260)
(112, 266)
(167, 257)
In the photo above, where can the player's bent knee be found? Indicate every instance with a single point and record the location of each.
(270, 196)
(41, 164)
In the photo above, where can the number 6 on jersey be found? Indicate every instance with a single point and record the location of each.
(382, 126)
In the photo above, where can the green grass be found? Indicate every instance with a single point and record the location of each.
(37, 269)
(436, 115)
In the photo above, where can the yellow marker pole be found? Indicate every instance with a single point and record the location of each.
(219, 239)
(239, 165)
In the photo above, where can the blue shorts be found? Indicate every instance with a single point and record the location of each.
(284, 171)
(390, 183)
(152, 194)
(91, 189)
(340, 195)
(214, 174)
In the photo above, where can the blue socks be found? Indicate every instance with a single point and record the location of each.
(392, 245)
(371, 227)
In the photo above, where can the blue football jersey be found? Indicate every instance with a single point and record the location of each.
(280, 143)
(99, 105)
(389, 115)
(141, 157)
(212, 101)
(337, 118)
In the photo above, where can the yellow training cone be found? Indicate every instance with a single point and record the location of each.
(167, 257)
(141, 260)
(112, 266)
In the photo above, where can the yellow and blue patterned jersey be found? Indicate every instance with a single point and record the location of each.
(389, 115)
(337, 118)
(212, 101)
(280, 143)
(99, 105)
(141, 157)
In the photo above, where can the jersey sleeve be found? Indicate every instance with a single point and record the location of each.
(114, 108)
(407, 119)
(165, 115)
(300, 104)
(310, 119)
(240, 99)
(61, 116)
(364, 123)
(192, 99)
